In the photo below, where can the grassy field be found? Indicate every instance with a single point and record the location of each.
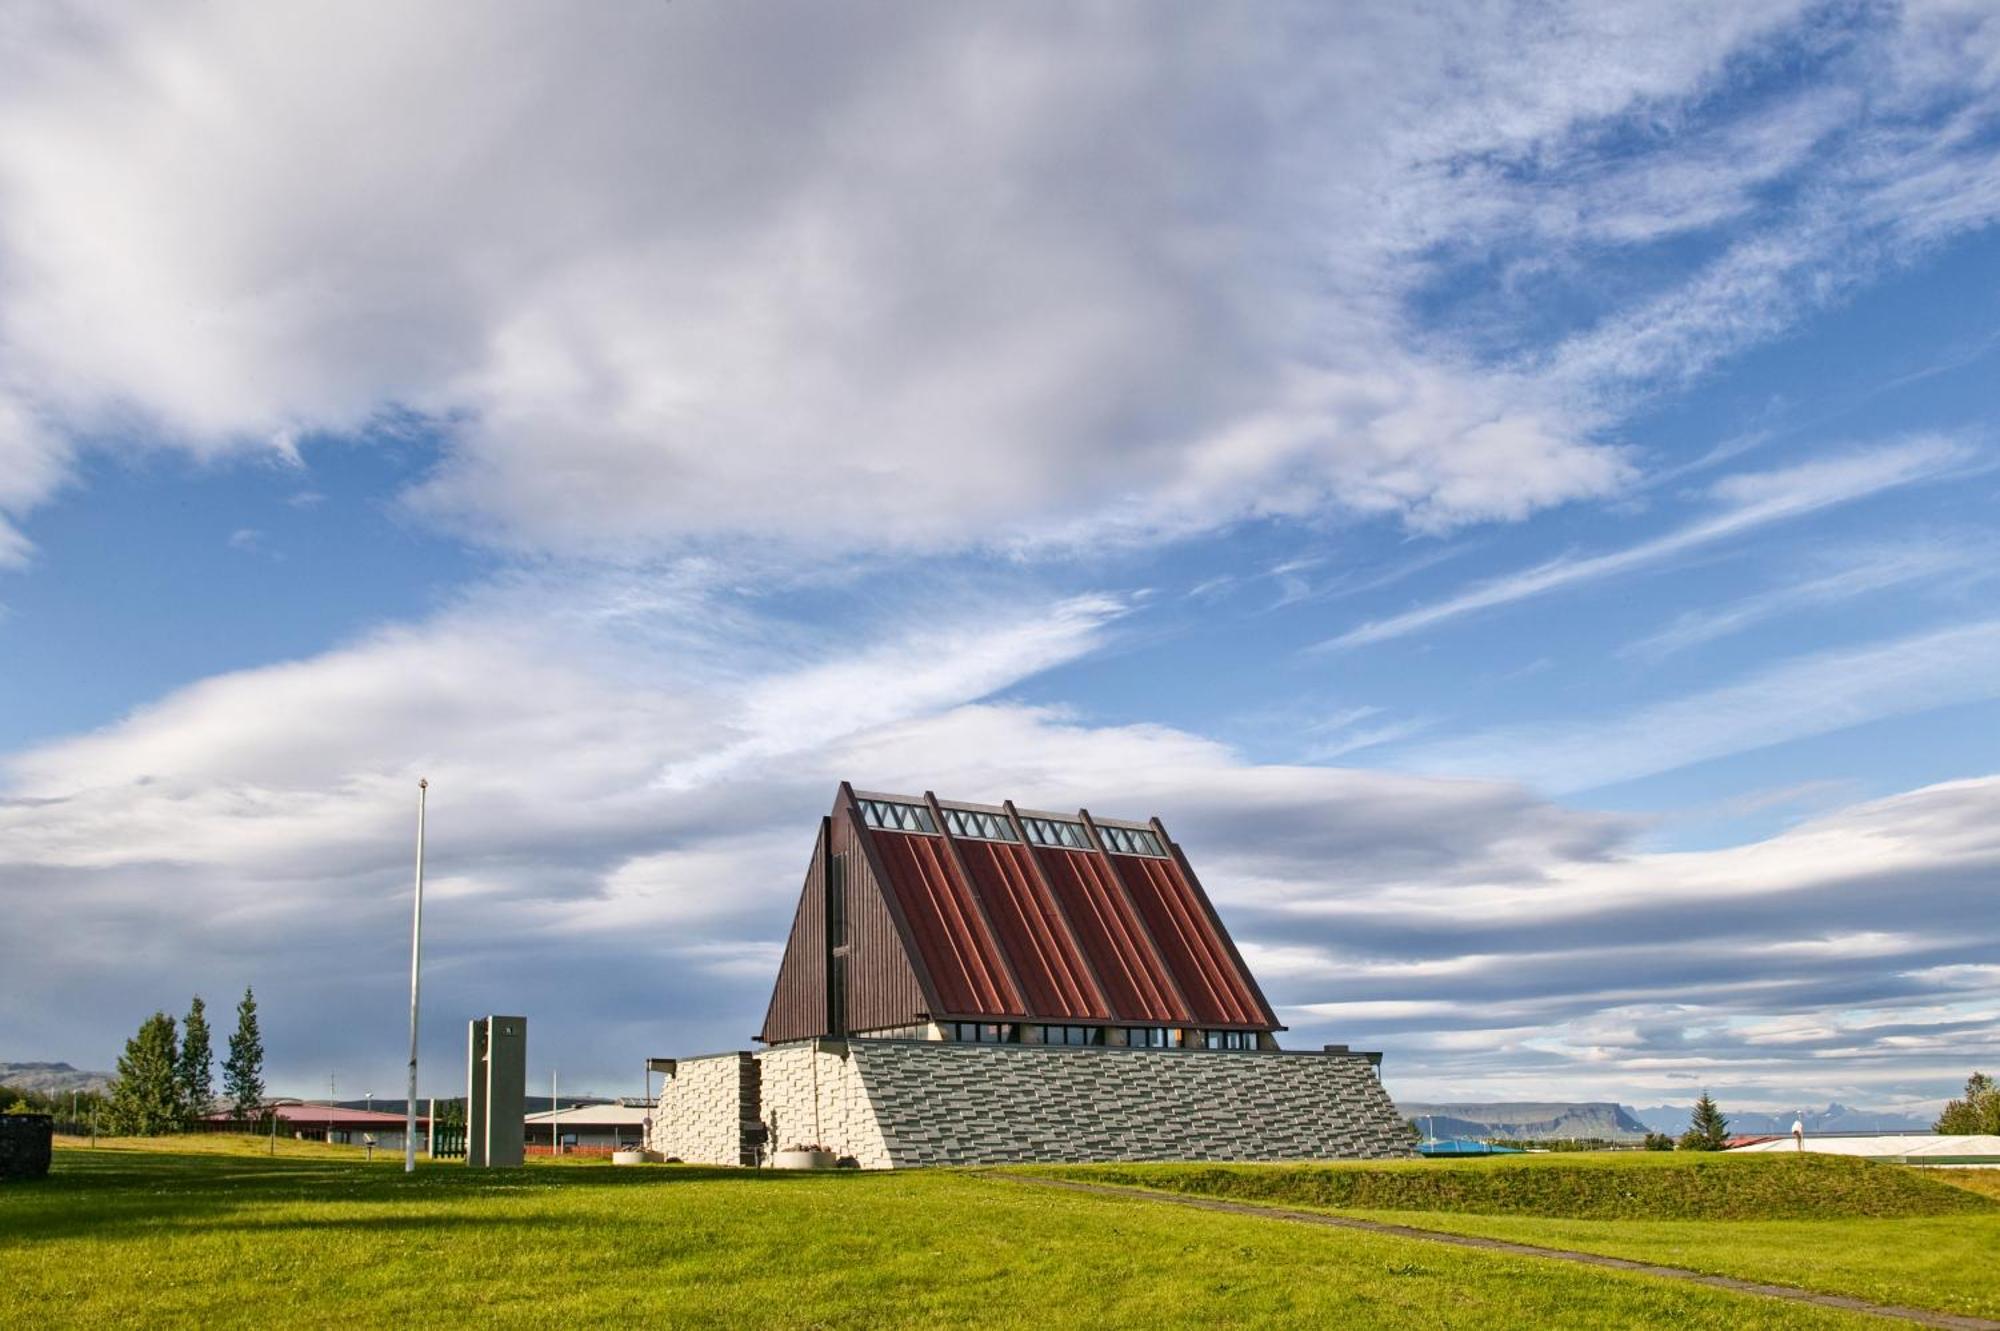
(1886, 1233)
(212, 1231)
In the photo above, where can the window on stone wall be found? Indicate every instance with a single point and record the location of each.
(1071, 1035)
(984, 1032)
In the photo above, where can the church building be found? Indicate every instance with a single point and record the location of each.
(981, 984)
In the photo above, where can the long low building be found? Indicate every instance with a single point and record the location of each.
(979, 984)
(588, 1127)
(1908, 1148)
(322, 1121)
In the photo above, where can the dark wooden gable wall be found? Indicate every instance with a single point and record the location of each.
(798, 1000)
(847, 966)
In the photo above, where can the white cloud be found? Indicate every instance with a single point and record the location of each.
(1791, 699)
(1851, 575)
(1749, 501)
(255, 828)
(952, 276)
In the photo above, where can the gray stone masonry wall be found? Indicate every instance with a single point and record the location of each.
(704, 1109)
(965, 1104)
(25, 1141)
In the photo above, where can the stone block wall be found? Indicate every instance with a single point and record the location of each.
(813, 1095)
(961, 1104)
(905, 1103)
(707, 1111)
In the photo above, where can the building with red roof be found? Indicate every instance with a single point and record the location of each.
(980, 983)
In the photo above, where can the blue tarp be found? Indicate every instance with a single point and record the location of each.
(1463, 1146)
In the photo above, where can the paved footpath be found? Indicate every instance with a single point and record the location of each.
(1915, 1316)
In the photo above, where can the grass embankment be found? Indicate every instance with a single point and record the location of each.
(1605, 1187)
(201, 1233)
(1886, 1233)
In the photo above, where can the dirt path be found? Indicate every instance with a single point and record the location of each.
(1915, 1316)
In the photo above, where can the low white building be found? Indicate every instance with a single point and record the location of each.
(1906, 1148)
(588, 1127)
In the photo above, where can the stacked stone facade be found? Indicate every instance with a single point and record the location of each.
(907, 1103)
(814, 1095)
(708, 1111)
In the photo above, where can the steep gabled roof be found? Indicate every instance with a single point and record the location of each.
(915, 909)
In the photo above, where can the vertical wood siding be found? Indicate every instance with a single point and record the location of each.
(882, 989)
(798, 1000)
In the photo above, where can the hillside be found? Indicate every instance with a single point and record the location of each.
(52, 1078)
(1527, 1120)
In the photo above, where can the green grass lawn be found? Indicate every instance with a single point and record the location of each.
(1886, 1233)
(211, 1231)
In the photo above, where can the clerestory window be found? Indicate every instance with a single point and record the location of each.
(897, 817)
(981, 826)
(1131, 841)
(1056, 832)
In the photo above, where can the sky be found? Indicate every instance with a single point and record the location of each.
(1512, 487)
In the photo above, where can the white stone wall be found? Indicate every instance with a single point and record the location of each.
(812, 1094)
(701, 1112)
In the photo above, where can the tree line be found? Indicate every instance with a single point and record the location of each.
(166, 1076)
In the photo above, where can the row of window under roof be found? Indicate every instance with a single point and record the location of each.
(895, 816)
(1136, 1037)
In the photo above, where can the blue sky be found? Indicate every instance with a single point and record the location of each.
(1514, 492)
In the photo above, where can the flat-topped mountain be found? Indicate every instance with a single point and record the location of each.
(1526, 1120)
(52, 1078)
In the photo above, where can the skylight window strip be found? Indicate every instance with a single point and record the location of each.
(1056, 832)
(1132, 841)
(978, 825)
(897, 817)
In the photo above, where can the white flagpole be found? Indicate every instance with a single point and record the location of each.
(416, 957)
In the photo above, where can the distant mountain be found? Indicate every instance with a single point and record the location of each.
(1528, 1121)
(52, 1078)
(1835, 1117)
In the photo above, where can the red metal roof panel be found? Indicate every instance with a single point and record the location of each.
(1044, 957)
(1215, 988)
(958, 950)
(1112, 937)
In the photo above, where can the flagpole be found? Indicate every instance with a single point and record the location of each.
(416, 956)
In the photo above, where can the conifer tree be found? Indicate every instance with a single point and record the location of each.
(197, 1062)
(243, 1071)
(1707, 1130)
(146, 1099)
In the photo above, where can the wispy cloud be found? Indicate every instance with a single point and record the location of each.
(1803, 696)
(1749, 501)
(1871, 570)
